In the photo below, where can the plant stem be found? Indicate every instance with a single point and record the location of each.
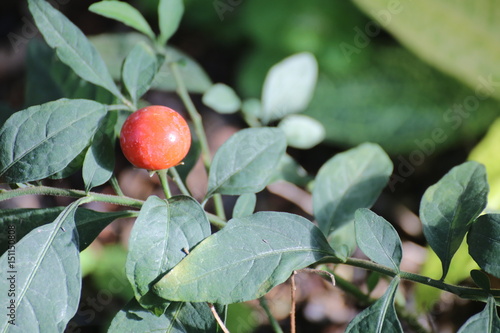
(178, 180)
(162, 174)
(217, 318)
(46, 190)
(216, 220)
(274, 323)
(292, 310)
(198, 126)
(116, 186)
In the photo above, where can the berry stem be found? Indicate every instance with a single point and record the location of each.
(116, 186)
(162, 174)
(178, 180)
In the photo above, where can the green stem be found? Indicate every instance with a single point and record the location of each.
(46, 190)
(164, 182)
(274, 323)
(178, 180)
(116, 186)
(461, 291)
(216, 220)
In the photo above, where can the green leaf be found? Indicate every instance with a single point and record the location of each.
(289, 86)
(348, 181)
(484, 243)
(480, 279)
(88, 222)
(380, 317)
(245, 205)
(71, 45)
(301, 131)
(114, 48)
(45, 269)
(245, 163)
(48, 78)
(161, 235)
(289, 170)
(139, 69)
(169, 16)
(378, 239)
(486, 321)
(99, 160)
(450, 206)
(73, 166)
(222, 99)
(40, 141)
(254, 254)
(178, 318)
(343, 239)
(472, 58)
(124, 13)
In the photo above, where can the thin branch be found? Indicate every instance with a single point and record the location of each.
(217, 318)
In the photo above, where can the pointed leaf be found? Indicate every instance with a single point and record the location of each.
(124, 13)
(450, 206)
(290, 171)
(44, 268)
(139, 69)
(481, 279)
(378, 239)
(99, 160)
(348, 181)
(89, 223)
(380, 317)
(254, 254)
(114, 47)
(289, 86)
(222, 99)
(178, 318)
(245, 163)
(245, 205)
(161, 235)
(71, 45)
(484, 243)
(40, 141)
(486, 321)
(169, 16)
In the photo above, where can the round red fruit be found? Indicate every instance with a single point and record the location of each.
(155, 138)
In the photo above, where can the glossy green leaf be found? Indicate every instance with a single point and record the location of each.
(45, 269)
(301, 131)
(254, 254)
(88, 222)
(484, 242)
(161, 235)
(114, 48)
(71, 45)
(40, 141)
(245, 163)
(99, 160)
(169, 16)
(139, 69)
(178, 318)
(378, 239)
(222, 98)
(245, 205)
(450, 206)
(429, 28)
(348, 181)
(124, 13)
(289, 86)
(48, 78)
(380, 317)
(486, 321)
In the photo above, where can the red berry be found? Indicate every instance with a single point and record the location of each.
(155, 138)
